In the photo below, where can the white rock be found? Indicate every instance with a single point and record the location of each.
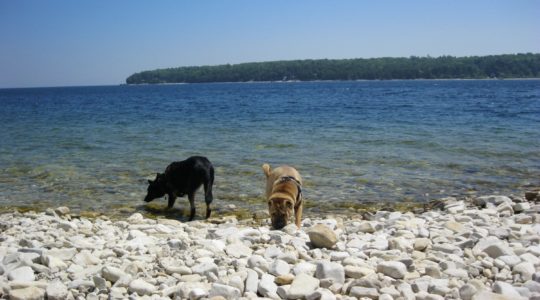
(85, 258)
(330, 271)
(197, 293)
(225, 291)
(22, 274)
(302, 286)
(53, 262)
(267, 287)
(394, 269)
(238, 250)
(141, 287)
(525, 269)
(112, 274)
(252, 281)
(321, 294)
(304, 267)
(205, 269)
(279, 267)
(257, 261)
(322, 236)
(61, 253)
(505, 289)
(28, 293)
(135, 218)
(56, 290)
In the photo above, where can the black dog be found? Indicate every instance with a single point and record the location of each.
(184, 177)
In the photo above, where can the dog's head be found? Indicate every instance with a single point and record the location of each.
(156, 188)
(281, 210)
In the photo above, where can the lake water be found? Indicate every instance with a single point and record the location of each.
(92, 148)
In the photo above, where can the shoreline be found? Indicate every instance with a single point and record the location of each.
(479, 249)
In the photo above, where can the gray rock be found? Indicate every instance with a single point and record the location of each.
(141, 287)
(321, 236)
(331, 271)
(56, 290)
(363, 292)
(498, 249)
(302, 286)
(467, 291)
(225, 291)
(28, 293)
(22, 274)
(394, 269)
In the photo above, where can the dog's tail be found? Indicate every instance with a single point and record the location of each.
(266, 169)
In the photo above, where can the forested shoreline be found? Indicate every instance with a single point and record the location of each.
(385, 68)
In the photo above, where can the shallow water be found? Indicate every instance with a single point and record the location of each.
(92, 148)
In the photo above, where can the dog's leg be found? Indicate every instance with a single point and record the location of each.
(208, 197)
(298, 215)
(191, 197)
(171, 200)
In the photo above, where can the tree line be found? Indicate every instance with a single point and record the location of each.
(443, 67)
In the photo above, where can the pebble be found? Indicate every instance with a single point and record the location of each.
(462, 252)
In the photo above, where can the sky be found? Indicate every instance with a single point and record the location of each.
(72, 43)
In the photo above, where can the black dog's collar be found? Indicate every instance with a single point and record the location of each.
(298, 185)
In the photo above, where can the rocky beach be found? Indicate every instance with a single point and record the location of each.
(481, 248)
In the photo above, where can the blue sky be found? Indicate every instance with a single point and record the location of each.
(65, 43)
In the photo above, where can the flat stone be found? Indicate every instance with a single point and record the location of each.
(141, 287)
(322, 236)
(394, 269)
(363, 292)
(302, 286)
(498, 249)
(28, 293)
(22, 274)
(238, 250)
(252, 281)
(225, 291)
(56, 290)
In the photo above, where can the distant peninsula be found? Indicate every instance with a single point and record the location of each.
(384, 68)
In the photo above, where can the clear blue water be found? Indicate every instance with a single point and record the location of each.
(93, 148)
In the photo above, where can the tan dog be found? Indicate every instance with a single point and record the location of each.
(284, 194)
